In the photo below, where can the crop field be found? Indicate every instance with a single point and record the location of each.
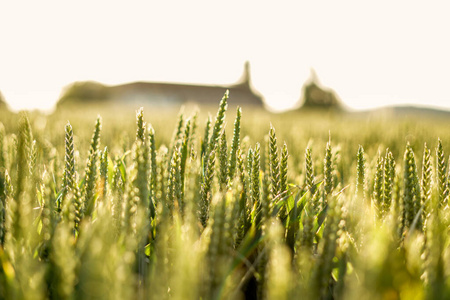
(232, 204)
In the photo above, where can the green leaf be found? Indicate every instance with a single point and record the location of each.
(147, 249)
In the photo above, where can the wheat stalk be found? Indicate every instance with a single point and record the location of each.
(91, 170)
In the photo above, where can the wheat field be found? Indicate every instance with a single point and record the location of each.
(241, 205)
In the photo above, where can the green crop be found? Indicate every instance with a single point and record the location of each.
(212, 211)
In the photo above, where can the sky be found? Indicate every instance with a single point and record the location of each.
(371, 53)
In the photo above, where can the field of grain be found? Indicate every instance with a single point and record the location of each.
(144, 204)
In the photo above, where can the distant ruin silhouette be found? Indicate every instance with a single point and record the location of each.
(164, 94)
(314, 95)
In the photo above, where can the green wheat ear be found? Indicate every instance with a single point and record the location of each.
(217, 129)
(131, 208)
(206, 189)
(140, 132)
(6, 193)
(153, 171)
(91, 170)
(378, 185)
(176, 137)
(274, 163)
(205, 141)
(8, 185)
(283, 189)
(32, 159)
(284, 169)
(411, 190)
(209, 159)
(77, 208)
(218, 124)
(26, 132)
(69, 164)
(162, 160)
(174, 190)
(2, 147)
(47, 217)
(2, 208)
(118, 189)
(244, 222)
(447, 185)
(305, 236)
(184, 152)
(309, 172)
(179, 129)
(20, 203)
(266, 205)
(389, 175)
(426, 182)
(104, 171)
(223, 162)
(140, 173)
(23, 151)
(328, 170)
(338, 167)
(360, 173)
(441, 176)
(194, 125)
(255, 188)
(235, 145)
(69, 158)
(250, 163)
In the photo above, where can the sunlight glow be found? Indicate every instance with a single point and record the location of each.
(372, 55)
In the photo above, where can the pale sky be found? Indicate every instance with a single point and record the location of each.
(371, 53)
